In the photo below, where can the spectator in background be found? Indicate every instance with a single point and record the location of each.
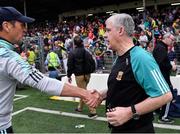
(168, 30)
(160, 54)
(31, 57)
(53, 62)
(76, 65)
(57, 49)
(46, 50)
(176, 26)
(143, 40)
(101, 31)
(142, 25)
(156, 32)
(99, 55)
(147, 24)
(68, 43)
(150, 46)
(152, 22)
(148, 34)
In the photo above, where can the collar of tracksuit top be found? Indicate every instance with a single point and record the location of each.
(6, 44)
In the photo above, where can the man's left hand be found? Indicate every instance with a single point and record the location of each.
(119, 115)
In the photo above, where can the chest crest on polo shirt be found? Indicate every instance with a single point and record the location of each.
(119, 75)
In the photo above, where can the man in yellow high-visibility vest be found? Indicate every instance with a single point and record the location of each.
(53, 62)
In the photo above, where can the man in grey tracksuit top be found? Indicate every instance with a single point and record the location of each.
(14, 69)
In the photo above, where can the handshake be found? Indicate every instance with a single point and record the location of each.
(93, 98)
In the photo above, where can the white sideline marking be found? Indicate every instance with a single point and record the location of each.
(176, 127)
(19, 97)
(65, 113)
(20, 111)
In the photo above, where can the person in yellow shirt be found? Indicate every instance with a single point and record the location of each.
(32, 57)
(176, 26)
(101, 30)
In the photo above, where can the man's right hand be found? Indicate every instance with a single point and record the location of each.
(94, 99)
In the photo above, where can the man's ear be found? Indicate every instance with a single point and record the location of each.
(121, 30)
(6, 26)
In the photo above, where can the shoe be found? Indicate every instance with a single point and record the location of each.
(92, 116)
(78, 110)
(166, 120)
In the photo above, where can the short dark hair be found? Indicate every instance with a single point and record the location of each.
(78, 41)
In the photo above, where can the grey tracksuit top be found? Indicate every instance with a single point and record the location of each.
(14, 69)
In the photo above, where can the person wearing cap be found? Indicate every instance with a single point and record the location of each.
(136, 86)
(14, 69)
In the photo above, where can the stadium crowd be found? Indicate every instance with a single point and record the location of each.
(58, 36)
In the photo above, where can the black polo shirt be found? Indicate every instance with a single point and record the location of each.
(134, 77)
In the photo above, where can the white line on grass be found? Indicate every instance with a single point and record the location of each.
(64, 113)
(58, 113)
(176, 127)
(166, 126)
(19, 97)
(20, 111)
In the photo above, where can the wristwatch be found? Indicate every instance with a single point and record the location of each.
(135, 116)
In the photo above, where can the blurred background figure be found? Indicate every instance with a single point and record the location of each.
(160, 54)
(150, 46)
(77, 65)
(53, 62)
(143, 40)
(99, 54)
(31, 57)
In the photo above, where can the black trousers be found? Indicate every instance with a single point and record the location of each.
(7, 131)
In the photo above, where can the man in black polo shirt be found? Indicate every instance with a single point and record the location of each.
(136, 86)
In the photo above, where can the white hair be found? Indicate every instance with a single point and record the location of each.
(124, 20)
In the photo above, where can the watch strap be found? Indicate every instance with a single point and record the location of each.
(133, 109)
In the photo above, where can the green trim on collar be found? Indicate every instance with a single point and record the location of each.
(6, 44)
